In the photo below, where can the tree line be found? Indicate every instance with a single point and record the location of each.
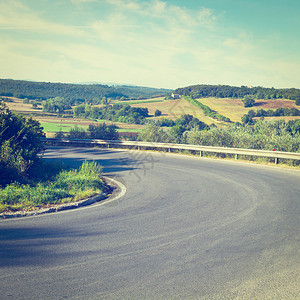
(116, 113)
(261, 113)
(92, 93)
(226, 91)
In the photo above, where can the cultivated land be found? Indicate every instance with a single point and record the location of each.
(234, 109)
(52, 123)
(171, 109)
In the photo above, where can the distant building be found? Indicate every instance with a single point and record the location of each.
(175, 96)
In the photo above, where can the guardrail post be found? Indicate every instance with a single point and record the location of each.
(236, 156)
(276, 160)
(107, 145)
(201, 153)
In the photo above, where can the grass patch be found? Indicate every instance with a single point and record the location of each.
(56, 127)
(66, 186)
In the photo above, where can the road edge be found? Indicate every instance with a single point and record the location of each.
(117, 190)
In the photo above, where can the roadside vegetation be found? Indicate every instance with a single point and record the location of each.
(26, 182)
(214, 115)
(272, 135)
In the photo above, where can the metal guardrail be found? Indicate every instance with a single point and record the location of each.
(139, 145)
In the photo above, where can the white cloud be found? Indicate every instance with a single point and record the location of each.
(125, 4)
(158, 7)
(141, 42)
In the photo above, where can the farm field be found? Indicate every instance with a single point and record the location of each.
(234, 109)
(51, 123)
(174, 108)
(171, 109)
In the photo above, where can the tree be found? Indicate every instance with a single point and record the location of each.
(177, 132)
(248, 101)
(20, 144)
(103, 132)
(152, 133)
(157, 113)
(77, 133)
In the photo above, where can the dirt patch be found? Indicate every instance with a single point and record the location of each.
(274, 104)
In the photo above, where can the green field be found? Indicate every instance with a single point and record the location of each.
(55, 127)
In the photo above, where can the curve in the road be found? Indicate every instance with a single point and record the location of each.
(187, 228)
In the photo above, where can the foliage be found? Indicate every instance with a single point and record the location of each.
(92, 93)
(279, 112)
(152, 133)
(226, 91)
(20, 144)
(99, 131)
(66, 186)
(264, 135)
(294, 126)
(102, 131)
(248, 101)
(77, 133)
(157, 113)
(117, 113)
(57, 105)
(206, 110)
(163, 122)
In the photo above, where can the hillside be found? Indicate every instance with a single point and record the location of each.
(226, 91)
(79, 92)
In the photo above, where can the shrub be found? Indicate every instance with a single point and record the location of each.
(248, 101)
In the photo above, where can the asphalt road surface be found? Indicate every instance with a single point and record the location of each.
(187, 228)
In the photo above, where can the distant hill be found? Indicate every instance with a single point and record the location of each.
(81, 92)
(226, 91)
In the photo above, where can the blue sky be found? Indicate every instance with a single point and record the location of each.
(156, 43)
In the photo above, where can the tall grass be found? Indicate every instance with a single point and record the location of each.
(66, 186)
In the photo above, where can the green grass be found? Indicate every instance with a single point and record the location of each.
(56, 127)
(66, 186)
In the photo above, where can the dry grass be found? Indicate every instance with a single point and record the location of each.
(234, 109)
(173, 109)
(18, 105)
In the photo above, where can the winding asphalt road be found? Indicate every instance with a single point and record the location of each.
(187, 228)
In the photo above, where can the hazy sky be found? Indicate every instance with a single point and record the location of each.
(169, 44)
